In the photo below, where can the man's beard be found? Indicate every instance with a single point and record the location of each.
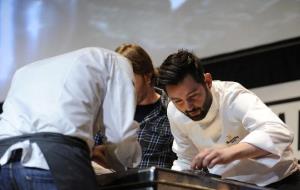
(203, 110)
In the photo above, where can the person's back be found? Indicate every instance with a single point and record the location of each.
(44, 100)
(74, 95)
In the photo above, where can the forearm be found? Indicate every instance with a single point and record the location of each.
(118, 156)
(245, 150)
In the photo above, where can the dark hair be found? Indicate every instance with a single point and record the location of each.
(177, 66)
(139, 58)
(1, 104)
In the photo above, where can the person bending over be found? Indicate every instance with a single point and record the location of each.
(51, 113)
(225, 127)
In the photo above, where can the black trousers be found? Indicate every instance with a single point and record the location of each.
(68, 159)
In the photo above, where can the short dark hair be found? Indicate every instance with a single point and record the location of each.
(177, 66)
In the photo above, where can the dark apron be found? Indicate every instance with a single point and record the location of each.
(68, 159)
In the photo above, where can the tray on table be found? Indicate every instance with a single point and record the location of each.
(155, 178)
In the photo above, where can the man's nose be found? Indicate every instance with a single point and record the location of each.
(189, 105)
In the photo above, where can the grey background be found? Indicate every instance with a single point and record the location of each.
(36, 29)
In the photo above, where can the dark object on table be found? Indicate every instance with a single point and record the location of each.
(164, 179)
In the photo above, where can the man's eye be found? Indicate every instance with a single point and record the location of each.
(194, 96)
(177, 101)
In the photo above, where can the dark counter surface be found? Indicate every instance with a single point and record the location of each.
(159, 178)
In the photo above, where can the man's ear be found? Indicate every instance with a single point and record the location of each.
(208, 79)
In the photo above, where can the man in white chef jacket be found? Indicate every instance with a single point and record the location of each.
(224, 127)
(51, 113)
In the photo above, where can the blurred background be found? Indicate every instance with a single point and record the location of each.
(36, 29)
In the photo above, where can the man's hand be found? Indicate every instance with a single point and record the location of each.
(210, 157)
(98, 155)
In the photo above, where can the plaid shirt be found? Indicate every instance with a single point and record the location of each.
(154, 136)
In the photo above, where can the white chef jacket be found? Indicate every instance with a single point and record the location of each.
(74, 94)
(236, 115)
